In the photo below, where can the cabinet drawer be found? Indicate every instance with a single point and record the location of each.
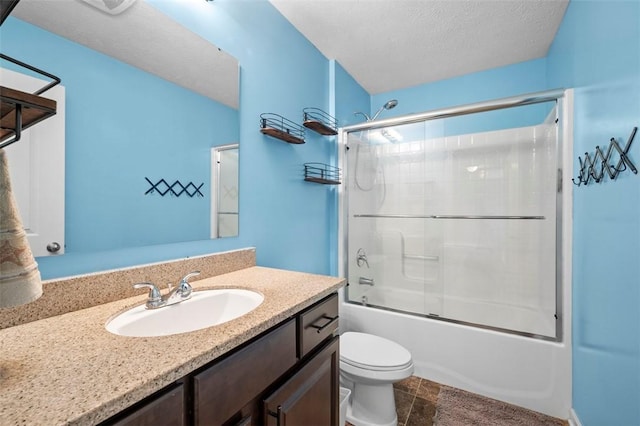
(166, 409)
(226, 387)
(316, 324)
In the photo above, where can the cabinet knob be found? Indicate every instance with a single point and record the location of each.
(53, 247)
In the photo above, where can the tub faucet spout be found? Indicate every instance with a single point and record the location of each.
(365, 281)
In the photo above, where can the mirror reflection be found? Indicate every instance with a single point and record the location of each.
(224, 193)
(140, 106)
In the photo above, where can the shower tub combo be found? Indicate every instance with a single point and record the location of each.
(456, 243)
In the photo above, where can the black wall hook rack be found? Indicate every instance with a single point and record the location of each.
(595, 166)
(176, 188)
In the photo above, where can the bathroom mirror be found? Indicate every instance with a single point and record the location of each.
(146, 100)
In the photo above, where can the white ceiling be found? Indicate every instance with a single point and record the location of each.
(144, 37)
(394, 44)
(384, 44)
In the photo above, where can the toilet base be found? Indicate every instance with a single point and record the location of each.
(372, 405)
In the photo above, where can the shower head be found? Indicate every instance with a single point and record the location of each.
(389, 105)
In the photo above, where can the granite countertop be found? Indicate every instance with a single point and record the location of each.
(68, 369)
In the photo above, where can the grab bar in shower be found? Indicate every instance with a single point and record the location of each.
(416, 257)
(412, 216)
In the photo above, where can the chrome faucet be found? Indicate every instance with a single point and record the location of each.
(178, 294)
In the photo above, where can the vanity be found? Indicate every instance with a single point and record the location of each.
(276, 365)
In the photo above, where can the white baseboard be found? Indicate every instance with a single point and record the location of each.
(573, 419)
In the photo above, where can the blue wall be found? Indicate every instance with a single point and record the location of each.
(496, 83)
(507, 81)
(350, 97)
(597, 51)
(281, 215)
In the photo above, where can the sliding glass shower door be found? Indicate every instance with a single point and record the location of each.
(455, 218)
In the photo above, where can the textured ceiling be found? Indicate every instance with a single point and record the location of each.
(393, 44)
(143, 37)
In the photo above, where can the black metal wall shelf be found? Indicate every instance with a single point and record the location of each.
(277, 126)
(20, 110)
(594, 166)
(322, 173)
(319, 121)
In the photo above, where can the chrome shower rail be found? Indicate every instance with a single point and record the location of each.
(514, 101)
(440, 216)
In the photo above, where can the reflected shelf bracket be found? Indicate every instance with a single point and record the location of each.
(20, 110)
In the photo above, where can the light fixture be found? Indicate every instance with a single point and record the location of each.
(19, 275)
(112, 7)
(391, 134)
(385, 135)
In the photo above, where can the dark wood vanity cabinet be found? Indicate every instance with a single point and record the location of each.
(287, 376)
(222, 391)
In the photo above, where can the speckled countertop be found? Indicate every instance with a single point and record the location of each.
(68, 369)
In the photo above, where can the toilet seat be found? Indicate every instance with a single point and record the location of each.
(373, 353)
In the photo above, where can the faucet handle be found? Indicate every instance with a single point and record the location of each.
(184, 287)
(189, 275)
(154, 293)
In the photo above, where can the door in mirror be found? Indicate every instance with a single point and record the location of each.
(224, 191)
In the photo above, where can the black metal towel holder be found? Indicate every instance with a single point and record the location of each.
(176, 188)
(594, 166)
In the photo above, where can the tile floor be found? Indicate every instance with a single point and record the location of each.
(416, 400)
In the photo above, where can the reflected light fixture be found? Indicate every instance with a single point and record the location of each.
(112, 7)
(19, 275)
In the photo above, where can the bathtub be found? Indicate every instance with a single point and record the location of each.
(528, 372)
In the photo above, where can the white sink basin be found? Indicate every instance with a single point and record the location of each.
(204, 309)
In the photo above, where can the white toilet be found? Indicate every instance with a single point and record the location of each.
(369, 365)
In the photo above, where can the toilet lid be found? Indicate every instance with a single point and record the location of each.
(372, 352)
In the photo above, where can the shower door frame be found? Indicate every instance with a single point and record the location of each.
(563, 147)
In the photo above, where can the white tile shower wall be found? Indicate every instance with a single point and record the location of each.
(497, 265)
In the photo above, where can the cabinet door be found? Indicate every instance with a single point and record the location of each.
(166, 410)
(222, 390)
(310, 397)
